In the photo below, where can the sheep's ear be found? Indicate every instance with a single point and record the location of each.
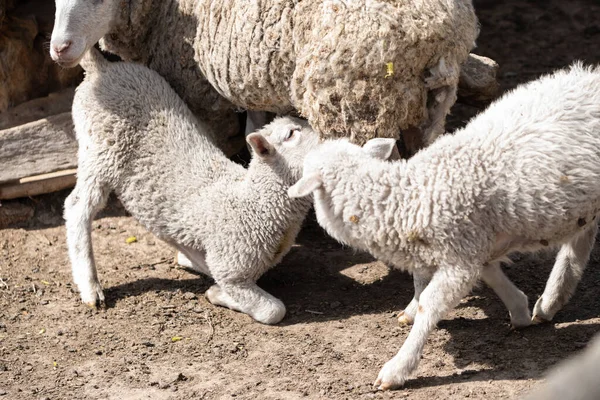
(380, 148)
(260, 145)
(305, 186)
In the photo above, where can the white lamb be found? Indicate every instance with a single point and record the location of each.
(138, 138)
(522, 176)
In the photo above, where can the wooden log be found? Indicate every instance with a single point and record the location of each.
(42, 107)
(39, 147)
(39, 184)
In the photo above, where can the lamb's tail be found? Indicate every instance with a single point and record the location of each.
(93, 61)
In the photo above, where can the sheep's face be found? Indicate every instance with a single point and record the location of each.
(284, 143)
(324, 169)
(78, 25)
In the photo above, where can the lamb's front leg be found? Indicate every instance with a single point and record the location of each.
(248, 298)
(447, 287)
(81, 206)
(190, 258)
(420, 280)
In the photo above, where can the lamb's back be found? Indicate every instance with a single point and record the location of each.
(530, 162)
(157, 155)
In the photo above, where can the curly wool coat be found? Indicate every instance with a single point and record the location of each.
(521, 176)
(137, 137)
(353, 68)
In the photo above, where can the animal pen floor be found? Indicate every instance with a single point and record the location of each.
(160, 338)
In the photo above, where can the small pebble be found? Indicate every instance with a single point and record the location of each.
(189, 296)
(28, 368)
(335, 304)
(98, 352)
(3, 392)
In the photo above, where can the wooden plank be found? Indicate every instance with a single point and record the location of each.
(33, 110)
(39, 147)
(39, 184)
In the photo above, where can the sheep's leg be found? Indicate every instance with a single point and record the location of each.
(192, 259)
(407, 316)
(81, 206)
(248, 298)
(514, 299)
(447, 287)
(444, 99)
(566, 274)
(442, 85)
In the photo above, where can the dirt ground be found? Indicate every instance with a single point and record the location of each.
(341, 322)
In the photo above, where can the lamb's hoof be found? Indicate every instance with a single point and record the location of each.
(383, 386)
(378, 386)
(536, 320)
(389, 377)
(99, 304)
(93, 296)
(404, 319)
(522, 321)
(517, 326)
(214, 295)
(539, 315)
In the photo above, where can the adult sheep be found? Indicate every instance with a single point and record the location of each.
(354, 68)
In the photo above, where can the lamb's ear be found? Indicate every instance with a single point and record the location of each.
(305, 186)
(380, 148)
(260, 145)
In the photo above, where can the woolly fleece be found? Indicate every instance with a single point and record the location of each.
(138, 138)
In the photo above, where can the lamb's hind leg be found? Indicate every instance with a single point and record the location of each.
(514, 299)
(81, 206)
(248, 298)
(566, 274)
(420, 280)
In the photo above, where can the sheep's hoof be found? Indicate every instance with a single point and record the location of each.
(404, 319)
(536, 319)
(96, 305)
(521, 321)
(385, 386)
(542, 314)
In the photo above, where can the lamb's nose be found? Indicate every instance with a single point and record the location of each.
(62, 47)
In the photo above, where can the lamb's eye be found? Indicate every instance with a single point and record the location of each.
(290, 134)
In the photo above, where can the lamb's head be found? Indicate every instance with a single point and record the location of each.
(284, 144)
(78, 25)
(338, 152)
(328, 172)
